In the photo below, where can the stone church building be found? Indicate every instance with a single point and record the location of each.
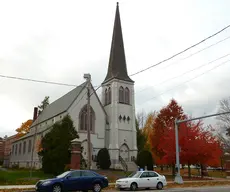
(112, 117)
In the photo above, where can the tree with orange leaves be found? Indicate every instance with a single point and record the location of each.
(197, 146)
(164, 121)
(24, 128)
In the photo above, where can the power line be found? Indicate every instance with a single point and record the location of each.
(185, 73)
(212, 45)
(37, 81)
(181, 51)
(187, 81)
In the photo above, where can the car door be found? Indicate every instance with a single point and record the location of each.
(87, 179)
(154, 178)
(144, 181)
(73, 181)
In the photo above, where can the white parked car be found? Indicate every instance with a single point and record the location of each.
(142, 180)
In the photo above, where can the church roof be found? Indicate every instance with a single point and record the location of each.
(60, 105)
(117, 63)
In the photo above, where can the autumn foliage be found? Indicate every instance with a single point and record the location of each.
(148, 130)
(197, 145)
(164, 121)
(24, 128)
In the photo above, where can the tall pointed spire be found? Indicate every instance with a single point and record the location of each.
(117, 64)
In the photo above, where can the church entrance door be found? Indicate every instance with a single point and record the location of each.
(124, 152)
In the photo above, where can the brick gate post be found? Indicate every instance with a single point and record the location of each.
(75, 154)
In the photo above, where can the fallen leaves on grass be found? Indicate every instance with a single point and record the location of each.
(198, 184)
(192, 184)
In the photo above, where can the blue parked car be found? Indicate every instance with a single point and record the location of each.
(74, 180)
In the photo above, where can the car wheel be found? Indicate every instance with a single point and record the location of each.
(57, 188)
(159, 185)
(133, 187)
(97, 187)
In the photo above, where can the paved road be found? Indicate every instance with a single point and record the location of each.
(189, 189)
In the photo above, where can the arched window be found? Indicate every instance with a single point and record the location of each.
(84, 121)
(106, 97)
(127, 96)
(121, 95)
(109, 95)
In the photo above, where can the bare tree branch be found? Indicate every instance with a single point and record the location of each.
(224, 106)
(141, 119)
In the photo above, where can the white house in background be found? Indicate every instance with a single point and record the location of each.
(113, 118)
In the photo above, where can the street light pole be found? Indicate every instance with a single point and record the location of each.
(178, 178)
(88, 79)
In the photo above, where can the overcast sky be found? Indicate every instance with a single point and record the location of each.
(61, 40)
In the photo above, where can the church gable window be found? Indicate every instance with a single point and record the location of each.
(83, 125)
(121, 95)
(127, 96)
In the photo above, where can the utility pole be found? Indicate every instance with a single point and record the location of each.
(88, 79)
(178, 178)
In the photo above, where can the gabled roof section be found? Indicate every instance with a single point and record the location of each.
(96, 95)
(60, 105)
(117, 63)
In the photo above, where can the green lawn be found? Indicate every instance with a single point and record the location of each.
(21, 177)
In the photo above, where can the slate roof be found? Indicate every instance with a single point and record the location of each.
(60, 105)
(117, 64)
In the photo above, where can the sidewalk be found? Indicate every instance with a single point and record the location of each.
(111, 184)
(17, 187)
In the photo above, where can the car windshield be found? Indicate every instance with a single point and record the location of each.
(63, 174)
(135, 174)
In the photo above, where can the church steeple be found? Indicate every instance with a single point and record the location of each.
(117, 64)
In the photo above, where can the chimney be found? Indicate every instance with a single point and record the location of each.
(35, 113)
